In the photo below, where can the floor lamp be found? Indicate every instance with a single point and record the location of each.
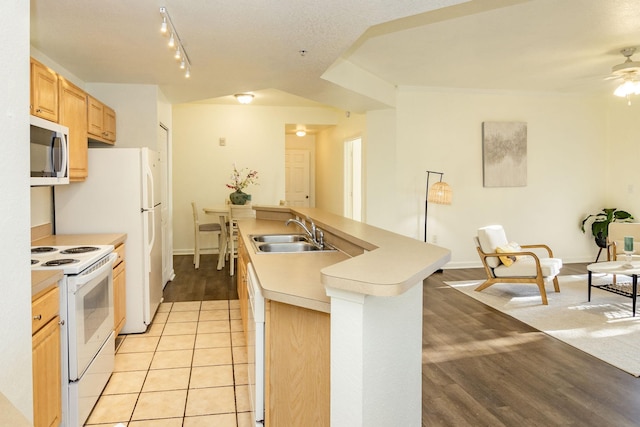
(439, 193)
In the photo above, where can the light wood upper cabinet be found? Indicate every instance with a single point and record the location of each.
(44, 91)
(47, 378)
(119, 290)
(110, 123)
(73, 114)
(101, 121)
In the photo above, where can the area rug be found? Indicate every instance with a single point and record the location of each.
(604, 327)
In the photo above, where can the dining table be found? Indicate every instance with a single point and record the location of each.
(222, 212)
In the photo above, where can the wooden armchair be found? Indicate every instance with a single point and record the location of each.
(506, 262)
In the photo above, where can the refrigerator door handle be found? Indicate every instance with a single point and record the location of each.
(148, 174)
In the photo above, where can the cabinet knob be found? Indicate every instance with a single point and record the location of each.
(37, 317)
(61, 323)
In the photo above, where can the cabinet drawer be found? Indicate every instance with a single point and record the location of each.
(119, 250)
(44, 309)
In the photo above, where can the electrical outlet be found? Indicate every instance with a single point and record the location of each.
(434, 239)
(223, 142)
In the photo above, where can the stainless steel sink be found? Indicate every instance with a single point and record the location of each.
(288, 247)
(286, 243)
(279, 238)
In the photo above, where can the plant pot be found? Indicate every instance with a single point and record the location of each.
(239, 198)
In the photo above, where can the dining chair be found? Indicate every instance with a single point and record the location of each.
(199, 230)
(236, 212)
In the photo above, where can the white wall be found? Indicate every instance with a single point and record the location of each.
(15, 290)
(255, 139)
(330, 160)
(380, 169)
(623, 177)
(441, 130)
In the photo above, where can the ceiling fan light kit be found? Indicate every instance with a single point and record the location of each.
(629, 72)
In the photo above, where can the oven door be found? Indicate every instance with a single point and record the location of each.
(90, 314)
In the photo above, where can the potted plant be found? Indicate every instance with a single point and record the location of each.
(601, 221)
(241, 179)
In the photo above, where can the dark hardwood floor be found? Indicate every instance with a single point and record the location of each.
(480, 366)
(205, 283)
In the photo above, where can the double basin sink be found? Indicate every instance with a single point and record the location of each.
(286, 243)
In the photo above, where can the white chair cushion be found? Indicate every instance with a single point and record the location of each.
(525, 266)
(490, 237)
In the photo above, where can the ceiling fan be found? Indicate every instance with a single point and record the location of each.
(629, 72)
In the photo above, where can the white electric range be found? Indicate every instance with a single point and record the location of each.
(86, 316)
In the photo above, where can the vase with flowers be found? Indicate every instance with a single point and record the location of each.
(241, 179)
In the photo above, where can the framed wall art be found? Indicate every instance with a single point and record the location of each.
(504, 154)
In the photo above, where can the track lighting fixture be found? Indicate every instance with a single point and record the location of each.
(174, 41)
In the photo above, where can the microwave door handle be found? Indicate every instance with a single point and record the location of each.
(63, 153)
(61, 171)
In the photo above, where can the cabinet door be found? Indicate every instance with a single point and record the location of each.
(109, 124)
(95, 117)
(44, 92)
(119, 297)
(297, 366)
(47, 387)
(73, 114)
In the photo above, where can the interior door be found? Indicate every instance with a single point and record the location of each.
(296, 172)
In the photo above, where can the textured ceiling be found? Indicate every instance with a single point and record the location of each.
(253, 45)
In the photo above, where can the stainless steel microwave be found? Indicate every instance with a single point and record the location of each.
(49, 153)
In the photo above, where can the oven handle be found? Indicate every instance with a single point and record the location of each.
(83, 279)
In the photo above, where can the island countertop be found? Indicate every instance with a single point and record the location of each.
(388, 265)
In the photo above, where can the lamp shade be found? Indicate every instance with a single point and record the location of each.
(440, 193)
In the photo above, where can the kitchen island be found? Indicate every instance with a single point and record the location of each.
(371, 290)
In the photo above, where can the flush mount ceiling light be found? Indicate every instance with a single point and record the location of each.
(301, 133)
(180, 54)
(244, 98)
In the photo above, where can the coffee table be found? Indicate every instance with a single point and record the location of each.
(629, 290)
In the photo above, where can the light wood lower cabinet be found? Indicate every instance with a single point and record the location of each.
(297, 366)
(243, 295)
(47, 385)
(119, 290)
(297, 358)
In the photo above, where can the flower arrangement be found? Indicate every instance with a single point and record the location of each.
(241, 179)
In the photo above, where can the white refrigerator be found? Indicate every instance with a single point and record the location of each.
(122, 194)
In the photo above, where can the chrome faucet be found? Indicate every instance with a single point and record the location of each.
(313, 233)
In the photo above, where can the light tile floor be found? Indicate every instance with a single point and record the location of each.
(188, 370)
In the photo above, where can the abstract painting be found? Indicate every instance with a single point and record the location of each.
(504, 154)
